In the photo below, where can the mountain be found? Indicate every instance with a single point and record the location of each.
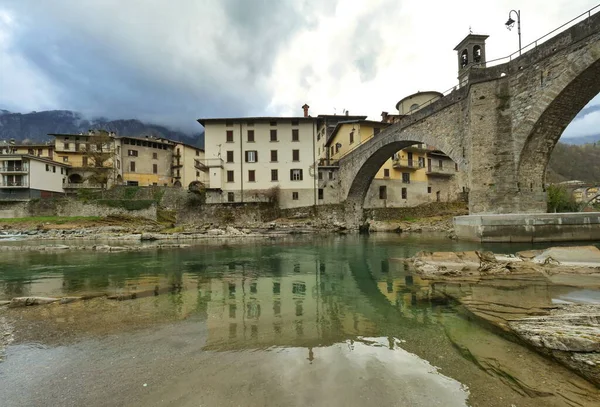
(35, 126)
(581, 140)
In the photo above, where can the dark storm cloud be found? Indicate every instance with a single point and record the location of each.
(210, 58)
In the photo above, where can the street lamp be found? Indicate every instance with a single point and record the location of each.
(511, 23)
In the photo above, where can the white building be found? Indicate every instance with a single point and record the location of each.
(260, 159)
(24, 176)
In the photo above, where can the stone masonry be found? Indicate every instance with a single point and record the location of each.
(500, 128)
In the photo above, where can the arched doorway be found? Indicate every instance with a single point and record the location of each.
(75, 179)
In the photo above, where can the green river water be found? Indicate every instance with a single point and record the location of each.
(311, 321)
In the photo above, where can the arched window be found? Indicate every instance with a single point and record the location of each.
(476, 53)
(464, 58)
(414, 106)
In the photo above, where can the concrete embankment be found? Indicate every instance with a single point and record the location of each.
(548, 300)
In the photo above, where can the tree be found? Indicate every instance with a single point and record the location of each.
(560, 200)
(100, 157)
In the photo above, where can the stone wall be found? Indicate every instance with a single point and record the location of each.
(416, 212)
(69, 207)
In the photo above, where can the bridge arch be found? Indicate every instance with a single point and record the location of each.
(362, 165)
(563, 95)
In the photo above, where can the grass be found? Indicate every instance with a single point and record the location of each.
(51, 219)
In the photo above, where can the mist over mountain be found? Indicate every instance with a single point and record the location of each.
(35, 126)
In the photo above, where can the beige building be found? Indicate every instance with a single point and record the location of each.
(147, 161)
(258, 159)
(188, 166)
(24, 176)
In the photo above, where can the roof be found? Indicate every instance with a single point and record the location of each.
(434, 93)
(34, 157)
(477, 37)
(254, 119)
(345, 117)
(340, 124)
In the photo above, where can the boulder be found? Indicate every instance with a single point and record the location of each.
(233, 231)
(28, 301)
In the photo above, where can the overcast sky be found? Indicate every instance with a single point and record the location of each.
(173, 61)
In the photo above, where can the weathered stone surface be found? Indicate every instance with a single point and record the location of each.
(586, 256)
(68, 300)
(215, 232)
(3, 303)
(27, 301)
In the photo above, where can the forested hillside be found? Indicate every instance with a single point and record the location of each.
(574, 162)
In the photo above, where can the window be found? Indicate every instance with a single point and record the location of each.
(386, 173)
(39, 152)
(229, 176)
(404, 193)
(197, 173)
(66, 146)
(421, 162)
(351, 137)
(197, 153)
(132, 153)
(295, 155)
(320, 175)
(84, 161)
(295, 135)
(428, 190)
(230, 156)
(295, 122)
(273, 135)
(295, 196)
(440, 164)
(406, 177)
(330, 175)
(296, 175)
(155, 156)
(118, 165)
(230, 136)
(132, 166)
(251, 156)
(253, 288)
(276, 288)
(126, 141)
(155, 168)
(47, 167)
(250, 136)
(456, 167)
(321, 193)
(383, 192)
(251, 176)
(30, 151)
(274, 175)
(230, 197)
(299, 288)
(273, 156)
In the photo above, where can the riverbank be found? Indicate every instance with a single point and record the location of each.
(131, 230)
(548, 300)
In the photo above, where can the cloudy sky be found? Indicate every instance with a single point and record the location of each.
(173, 61)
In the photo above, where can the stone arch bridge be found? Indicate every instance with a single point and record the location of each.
(500, 128)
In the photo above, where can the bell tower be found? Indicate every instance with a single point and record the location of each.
(471, 54)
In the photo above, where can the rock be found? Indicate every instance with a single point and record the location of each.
(215, 232)
(55, 247)
(246, 231)
(149, 237)
(68, 300)
(584, 256)
(101, 248)
(233, 231)
(118, 249)
(27, 301)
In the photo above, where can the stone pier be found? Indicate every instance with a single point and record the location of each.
(529, 227)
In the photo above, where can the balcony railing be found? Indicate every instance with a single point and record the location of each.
(14, 184)
(209, 163)
(15, 168)
(408, 164)
(329, 162)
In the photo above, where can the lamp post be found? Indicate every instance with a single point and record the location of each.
(511, 23)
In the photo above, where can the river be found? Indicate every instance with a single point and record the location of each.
(306, 321)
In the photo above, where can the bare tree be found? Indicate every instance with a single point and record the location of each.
(100, 157)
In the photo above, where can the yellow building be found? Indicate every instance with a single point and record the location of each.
(188, 168)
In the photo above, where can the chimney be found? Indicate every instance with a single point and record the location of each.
(347, 113)
(384, 116)
(305, 108)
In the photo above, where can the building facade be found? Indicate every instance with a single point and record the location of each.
(260, 159)
(24, 176)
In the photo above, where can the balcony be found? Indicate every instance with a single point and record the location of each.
(441, 171)
(418, 148)
(328, 162)
(208, 163)
(410, 165)
(22, 168)
(22, 183)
